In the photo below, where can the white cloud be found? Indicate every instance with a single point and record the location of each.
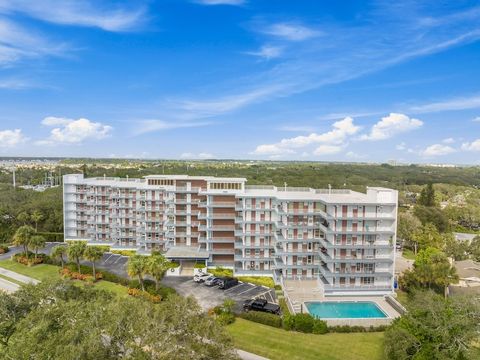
(459, 103)
(267, 52)
(335, 138)
(72, 131)
(401, 146)
(437, 150)
(477, 119)
(11, 138)
(471, 146)
(220, 2)
(202, 155)
(146, 126)
(448, 140)
(354, 155)
(291, 31)
(73, 12)
(390, 126)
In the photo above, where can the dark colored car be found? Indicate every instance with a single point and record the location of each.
(227, 283)
(261, 305)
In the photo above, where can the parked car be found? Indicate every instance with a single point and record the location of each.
(201, 277)
(261, 305)
(227, 283)
(211, 281)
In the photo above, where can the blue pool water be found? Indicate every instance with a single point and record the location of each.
(345, 310)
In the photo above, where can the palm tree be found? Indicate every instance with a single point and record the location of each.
(58, 252)
(22, 237)
(157, 264)
(137, 266)
(37, 242)
(93, 254)
(37, 216)
(75, 251)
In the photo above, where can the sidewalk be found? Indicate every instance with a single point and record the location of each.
(16, 276)
(244, 355)
(8, 286)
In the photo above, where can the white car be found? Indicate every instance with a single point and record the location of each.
(199, 278)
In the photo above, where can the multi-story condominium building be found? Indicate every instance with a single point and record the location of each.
(343, 238)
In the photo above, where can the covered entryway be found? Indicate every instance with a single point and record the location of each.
(187, 257)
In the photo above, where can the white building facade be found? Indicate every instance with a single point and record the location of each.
(343, 238)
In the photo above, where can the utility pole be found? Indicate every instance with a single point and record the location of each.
(14, 180)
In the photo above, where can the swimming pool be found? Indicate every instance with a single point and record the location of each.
(345, 310)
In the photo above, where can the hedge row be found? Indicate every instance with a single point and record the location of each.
(262, 318)
(3, 249)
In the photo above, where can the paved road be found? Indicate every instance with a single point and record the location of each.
(8, 286)
(16, 276)
(249, 356)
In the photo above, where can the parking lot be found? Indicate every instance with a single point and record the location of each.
(209, 297)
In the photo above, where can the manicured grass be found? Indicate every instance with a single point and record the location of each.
(47, 271)
(278, 344)
(408, 254)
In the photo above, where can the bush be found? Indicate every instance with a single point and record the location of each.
(200, 266)
(221, 272)
(144, 295)
(67, 273)
(283, 306)
(258, 280)
(124, 252)
(225, 318)
(3, 249)
(263, 318)
(278, 287)
(150, 287)
(30, 260)
(353, 329)
(304, 323)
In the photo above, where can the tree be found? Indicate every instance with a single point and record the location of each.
(432, 215)
(36, 323)
(408, 224)
(457, 250)
(137, 266)
(428, 236)
(157, 265)
(93, 254)
(474, 248)
(75, 250)
(435, 328)
(431, 270)
(22, 237)
(58, 252)
(23, 218)
(37, 242)
(427, 196)
(37, 216)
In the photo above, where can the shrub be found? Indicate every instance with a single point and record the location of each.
(304, 323)
(221, 272)
(144, 295)
(200, 266)
(283, 306)
(319, 327)
(225, 318)
(278, 287)
(68, 273)
(30, 260)
(258, 280)
(353, 329)
(263, 318)
(3, 249)
(124, 252)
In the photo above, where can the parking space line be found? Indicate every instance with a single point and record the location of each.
(243, 292)
(233, 289)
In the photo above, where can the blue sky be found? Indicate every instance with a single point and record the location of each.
(241, 79)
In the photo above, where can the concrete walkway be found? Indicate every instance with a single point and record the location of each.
(8, 286)
(16, 276)
(244, 355)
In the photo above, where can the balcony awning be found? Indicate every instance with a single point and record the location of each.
(186, 252)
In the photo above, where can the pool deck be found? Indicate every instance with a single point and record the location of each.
(301, 292)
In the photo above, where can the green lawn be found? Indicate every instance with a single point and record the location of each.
(279, 344)
(46, 271)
